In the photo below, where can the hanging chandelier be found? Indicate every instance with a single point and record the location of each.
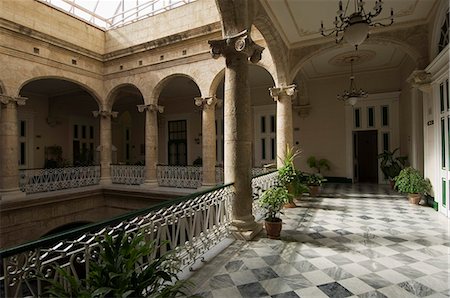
(354, 28)
(352, 95)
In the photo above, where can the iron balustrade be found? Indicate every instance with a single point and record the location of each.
(189, 226)
(127, 174)
(44, 180)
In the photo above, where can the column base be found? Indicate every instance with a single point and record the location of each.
(150, 183)
(245, 230)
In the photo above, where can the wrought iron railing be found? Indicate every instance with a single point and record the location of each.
(259, 185)
(43, 180)
(126, 174)
(189, 226)
(180, 176)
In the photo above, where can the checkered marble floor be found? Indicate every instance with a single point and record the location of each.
(352, 241)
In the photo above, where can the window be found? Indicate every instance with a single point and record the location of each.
(385, 115)
(357, 118)
(83, 131)
(263, 148)
(443, 142)
(75, 131)
(272, 123)
(441, 97)
(91, 132)
(386, 141)
(370, 117)
(443, 39)
(177, 142)
(263, 124)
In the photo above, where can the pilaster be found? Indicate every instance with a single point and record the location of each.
(285, 136)
(151, 142)
(105, 144)
(208, 105)
(9, 168)
(237, 50)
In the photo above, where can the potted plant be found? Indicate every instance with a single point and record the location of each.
(411, 181)
(272, 200)
(287, 174)
(318, 164)
(391, 165)
(314, 182)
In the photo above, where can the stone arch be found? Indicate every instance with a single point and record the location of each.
(442, 11)
(163, 83)
(216, 81)
(87, 88)
(110, 97)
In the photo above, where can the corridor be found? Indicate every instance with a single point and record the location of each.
(352, 241)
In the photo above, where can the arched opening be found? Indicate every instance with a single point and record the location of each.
(56, 126)
(128, 129)
(263, 117)
(180, 126)
(332, 129)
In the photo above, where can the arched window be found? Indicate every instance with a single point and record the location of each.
(443, 40)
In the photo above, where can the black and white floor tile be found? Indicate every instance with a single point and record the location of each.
(352, 241)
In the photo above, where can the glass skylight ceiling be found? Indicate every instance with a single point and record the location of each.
(108, 14)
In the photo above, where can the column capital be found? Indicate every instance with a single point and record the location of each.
(421, 80)
(105, 114)
(277, 92)
(5, 99)
(151, 108)
(240, 43)
(207, 102)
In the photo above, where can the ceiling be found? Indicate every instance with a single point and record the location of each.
(298, 21)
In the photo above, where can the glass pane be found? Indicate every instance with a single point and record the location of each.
(263, 148)
(75, 131)
(385, 115)
(371, 117)
(127, 134)
(386, 141)
(443, 142)
(272, 123)
(22, 129)
(444, 193)
(91, 132)
(448, 136)
(357, 118)
(441, 97)
(263, 124)
(22, 153)
(83, 132)
(273, 148)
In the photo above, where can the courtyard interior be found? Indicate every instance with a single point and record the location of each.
(352, 241)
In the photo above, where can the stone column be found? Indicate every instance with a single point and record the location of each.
(151, 142)
(237, 50)
(208, 105)
(105, 144)
(9, 166)
(285, 136)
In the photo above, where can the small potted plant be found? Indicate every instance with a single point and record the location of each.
(272, 200)
(314, 182)
(391, 165)
(411, 181)
(318, 164)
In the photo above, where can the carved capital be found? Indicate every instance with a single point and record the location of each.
(151, 108)
(239, 43)
(207, 103)
(284, 91)
(5, 99)
(420, 79)
(105, 114)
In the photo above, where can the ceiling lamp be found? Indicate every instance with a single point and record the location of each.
(355, 27)
(352, 95)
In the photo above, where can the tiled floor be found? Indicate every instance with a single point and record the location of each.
(352, 241)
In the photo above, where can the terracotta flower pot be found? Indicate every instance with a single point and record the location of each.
(414, 198)
(273, 228)
(290, 204)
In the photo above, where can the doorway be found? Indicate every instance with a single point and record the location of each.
(365, 148)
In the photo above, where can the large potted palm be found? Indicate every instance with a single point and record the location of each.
(287, 175)
(272, 200)
(391, 165)
(411, 181)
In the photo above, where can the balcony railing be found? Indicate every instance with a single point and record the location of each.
(189, 226)
(180, 176)
(43, 180)
(126, 174)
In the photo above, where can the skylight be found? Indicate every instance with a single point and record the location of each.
(108, 14)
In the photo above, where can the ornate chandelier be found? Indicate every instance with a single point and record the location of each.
(353, 93)
(355, 27)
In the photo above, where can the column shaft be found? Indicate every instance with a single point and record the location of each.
(151, 147)
(9, 169)
(285, 136)
(106, 148)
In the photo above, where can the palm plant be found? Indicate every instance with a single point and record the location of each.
(318, 164)
(390, 164)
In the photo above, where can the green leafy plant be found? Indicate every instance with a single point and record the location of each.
(315, 179)
(273, 200)
(124, 269)
(299, 183)
(318, 164)
(287, 173)
(410, 180)
(391, 165)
